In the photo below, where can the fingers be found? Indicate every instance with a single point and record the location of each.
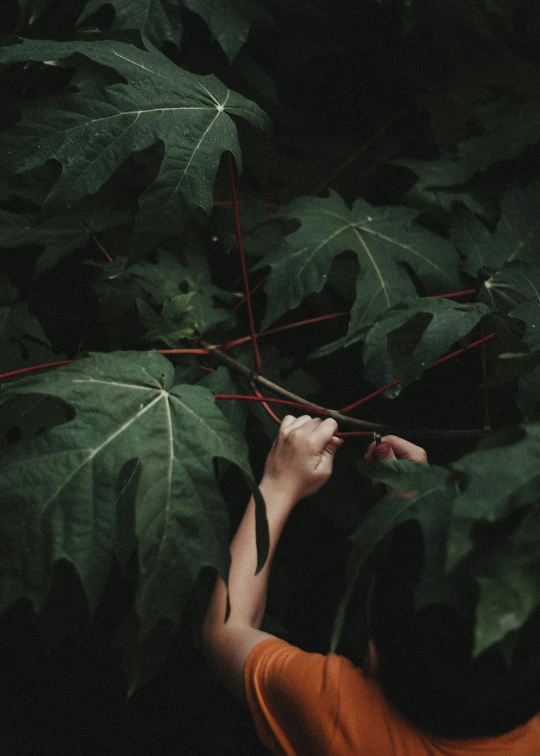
(324, 432)
(333, 445)
(394, 447)
(309, 424)
(321, 432)
(287, 422)
(383, 451)
(406, 450)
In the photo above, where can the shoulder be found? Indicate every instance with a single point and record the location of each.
(309, 701)
(293, 696)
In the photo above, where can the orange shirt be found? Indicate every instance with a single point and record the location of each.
(313, 705)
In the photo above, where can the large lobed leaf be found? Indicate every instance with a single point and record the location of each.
(410, 336)
(59, 235)
(505, 137)
(228, 20)
(23, 342)
(138, 451)
(430, 508)
(148, 286)
(493, 484)
(509, 580)
(160, 21)
(516, 239)
(93, 131)
(383, 239)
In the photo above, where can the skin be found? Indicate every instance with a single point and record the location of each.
(299, 463)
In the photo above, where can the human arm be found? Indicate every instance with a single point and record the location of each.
(299, 462)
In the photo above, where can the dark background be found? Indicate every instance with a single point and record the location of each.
(330, 74)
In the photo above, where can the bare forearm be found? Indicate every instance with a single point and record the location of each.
(247, 591)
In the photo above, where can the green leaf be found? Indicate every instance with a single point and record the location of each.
(513, 284)
(158, 20)
(517, 237)
(529, 313)
(228, 20)
(60, 235)
(33, 9)
(27, 416)
(23, 342)
(16, 324)
(412, 335)
(528, 398)
(501, 474)
(220, 381)
(146, 286)
(173, 325)
(93, 131)
(505, 137)
(518, 364)
(61, 491)
(383, 239)
(509, 580)
(430, 507)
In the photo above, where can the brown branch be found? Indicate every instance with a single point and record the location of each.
(342, 420)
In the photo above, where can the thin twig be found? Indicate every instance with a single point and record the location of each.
(487, 423)
(342, 420)
(257, 356)
(309, 321)
(31, 369)
(252, 291)
(101, 247)
(453, 294)
(265, 406)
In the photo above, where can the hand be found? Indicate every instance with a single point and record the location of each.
(302, 456)
(394, 447)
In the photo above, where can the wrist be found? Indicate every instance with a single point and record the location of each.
(277, 493)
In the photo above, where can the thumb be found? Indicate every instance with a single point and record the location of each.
(383, 451)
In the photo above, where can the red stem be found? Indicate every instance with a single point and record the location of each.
(253, 290)
(447, 357)
(101, 247)
(460, 351)
(33, 368)
(267, 409)
(195, 364)
(237, 342)
(257, 356)
(244, 339)
(354, 433)
(452, 294)
(228, 203)
(183, 351)
(395, 118)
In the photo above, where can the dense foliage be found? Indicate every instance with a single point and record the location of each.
(122, 476)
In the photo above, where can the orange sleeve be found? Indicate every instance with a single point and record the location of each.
(308, 704)
(293, 696)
